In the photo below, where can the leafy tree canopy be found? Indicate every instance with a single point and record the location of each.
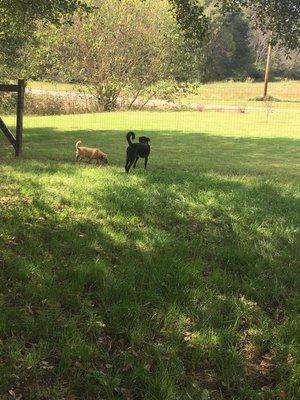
(51, 10)
(278, 18)
(19, 18)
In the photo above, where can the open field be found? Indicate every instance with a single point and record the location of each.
(221, 93)
(228, 91)
(176, 283)
(68, 87)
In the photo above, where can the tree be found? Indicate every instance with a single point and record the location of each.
(282, 66)
(191, 17)
(225, 52)
(19, 20)
(120, 45)
(197, 35)
(281, 18)
(19, 12)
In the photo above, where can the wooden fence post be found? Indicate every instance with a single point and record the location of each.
(20, 112)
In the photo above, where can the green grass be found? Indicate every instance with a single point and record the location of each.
(228, 91)
(54, 86)
(181, 282)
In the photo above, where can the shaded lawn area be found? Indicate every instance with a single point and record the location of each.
(181, 282)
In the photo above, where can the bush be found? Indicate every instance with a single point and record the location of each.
(52, 105)
(165, 90)
(47, 104)
(249, 79)
(171, 90)
(107, 95)
(267, 98)
(8, 103)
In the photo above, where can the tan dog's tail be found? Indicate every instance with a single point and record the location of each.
(77, 144)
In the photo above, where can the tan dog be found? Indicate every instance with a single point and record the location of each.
(91, 153)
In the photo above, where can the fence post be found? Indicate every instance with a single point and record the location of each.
(267, 72)
(20, 112)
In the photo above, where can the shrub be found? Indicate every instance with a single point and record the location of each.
(47, 104)
(8, 103)
(52, 105)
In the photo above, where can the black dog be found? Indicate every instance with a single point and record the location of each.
(136, 150)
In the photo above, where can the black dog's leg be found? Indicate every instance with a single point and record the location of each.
(129, 157)
(146, 161)
(136, 160)
(127, 160)
(128, 166)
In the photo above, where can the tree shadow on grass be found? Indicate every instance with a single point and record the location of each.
(158, 282)
(169, 149)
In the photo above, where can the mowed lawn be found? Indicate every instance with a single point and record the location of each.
(176, 283)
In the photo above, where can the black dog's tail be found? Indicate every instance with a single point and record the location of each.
(129, 136)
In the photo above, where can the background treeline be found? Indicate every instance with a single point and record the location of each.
(135, 45)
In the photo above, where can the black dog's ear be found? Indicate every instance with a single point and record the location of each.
(144, 139)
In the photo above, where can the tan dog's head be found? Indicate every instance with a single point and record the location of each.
(104, 158)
